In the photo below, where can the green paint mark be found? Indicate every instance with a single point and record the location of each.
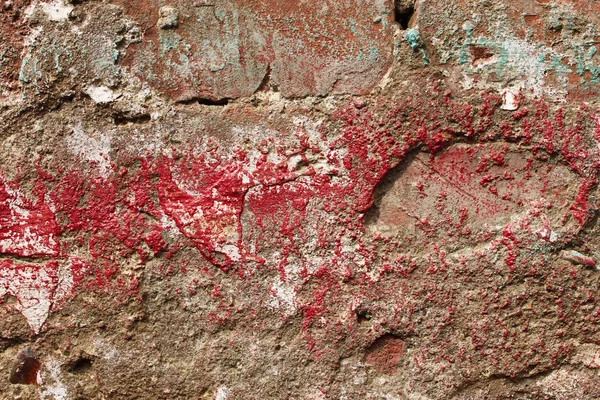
(22, 75)
(425, 58)
(168, 41)
(414, 38)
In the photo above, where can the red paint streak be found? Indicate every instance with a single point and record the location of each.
(27, 227)
(581, 207)
(304, 223)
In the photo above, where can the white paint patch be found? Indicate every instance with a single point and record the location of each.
(230, 250)
(143, 144)
(222, 393)
(58, 390)
(283, 297)
(564, 384)
(58, 10)
(100, 94)
(309, 129)
(524, 59)
(104, 350)
(29, 243)
(510, 102)
(16, 204)
(93, 150)
(169, 226)
(319, 395)
(64, 287)
(33, 288)
(34, 34)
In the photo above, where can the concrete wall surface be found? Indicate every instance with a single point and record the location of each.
(299, 199)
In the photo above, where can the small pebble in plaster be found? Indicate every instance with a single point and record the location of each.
(577, 258)
(510, 102)
(100, 94)
(26, 369)
(168, 17)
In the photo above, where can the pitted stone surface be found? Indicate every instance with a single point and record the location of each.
(223, 199)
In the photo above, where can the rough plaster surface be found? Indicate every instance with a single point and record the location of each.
(297, 199)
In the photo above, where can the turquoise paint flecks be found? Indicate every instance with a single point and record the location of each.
(463, 56)
(220, 15)
(425, 58)
(29, 70)
(2, 59)
(57, 63)
(57, 50)
(543, 251)
(36, 72)
(115, 55)
(22, 75)
(168, 41)
(373, 53)
(414, 38)
(519, 58)
(585, 61)
(560, 69)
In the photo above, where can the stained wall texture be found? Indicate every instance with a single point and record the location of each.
(299, 199)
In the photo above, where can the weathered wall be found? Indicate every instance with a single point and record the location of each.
(273, 199)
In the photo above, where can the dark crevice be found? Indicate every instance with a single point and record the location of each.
(6, 343)
(403, 13)
(264, 85)
(80, 365)
(211, 102)
(123, 120)
(206, 101)
(532, 371)
(362, 316)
